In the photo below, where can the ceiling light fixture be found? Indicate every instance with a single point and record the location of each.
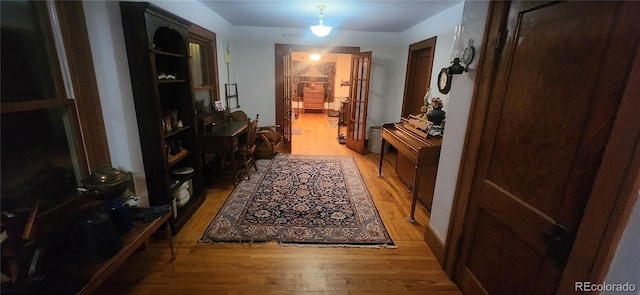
(321, 30)
(315, 56)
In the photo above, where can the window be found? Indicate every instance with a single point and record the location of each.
(51, 123)
(204, 69)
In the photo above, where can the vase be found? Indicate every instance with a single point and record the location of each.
(436, 116)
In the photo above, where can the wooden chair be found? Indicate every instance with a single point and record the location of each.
(247, 148)
(269, 142)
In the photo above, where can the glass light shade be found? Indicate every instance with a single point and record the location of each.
(315, 56)
(427, 97)
(457, 48)
(320, 30)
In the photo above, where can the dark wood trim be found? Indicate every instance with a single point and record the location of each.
(434, 243)
(205, 36)
(85, 87)
(615, 187)
(14, 107)
(413, 49)
(85, 108)
(498, 12)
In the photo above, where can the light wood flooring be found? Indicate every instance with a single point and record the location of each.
(411, 268)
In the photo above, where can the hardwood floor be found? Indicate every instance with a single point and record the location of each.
(411, 268)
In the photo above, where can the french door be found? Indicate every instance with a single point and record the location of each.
(286, 98)
(358, 101)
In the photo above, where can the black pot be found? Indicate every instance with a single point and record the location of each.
(95, 237)
(106, 183)
(120, 215)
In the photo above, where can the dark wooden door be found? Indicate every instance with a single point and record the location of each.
(419, 66)
(559, 77)
(358, 101)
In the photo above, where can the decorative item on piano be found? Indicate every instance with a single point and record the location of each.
(418, 125)
(436, 115)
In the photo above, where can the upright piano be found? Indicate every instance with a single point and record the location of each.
(417, 160)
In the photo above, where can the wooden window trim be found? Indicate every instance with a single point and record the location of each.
(84, 110)
(201, 35)
(89, 109)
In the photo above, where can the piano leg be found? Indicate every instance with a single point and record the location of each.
(416, 189)
(382, 142)
(413, 208)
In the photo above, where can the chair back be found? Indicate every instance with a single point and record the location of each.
(252, 133)
(239, 116)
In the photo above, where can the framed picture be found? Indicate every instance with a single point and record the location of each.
(219, 106)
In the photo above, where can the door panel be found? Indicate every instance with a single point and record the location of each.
(358, 101)
(558, 82)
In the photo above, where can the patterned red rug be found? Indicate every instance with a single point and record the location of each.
(297, 199)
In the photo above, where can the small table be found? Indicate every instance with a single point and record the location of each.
(131, 241)
(223, 139)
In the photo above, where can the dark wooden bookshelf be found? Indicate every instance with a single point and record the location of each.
(157, 42)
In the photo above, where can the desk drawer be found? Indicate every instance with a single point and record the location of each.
(224, 145)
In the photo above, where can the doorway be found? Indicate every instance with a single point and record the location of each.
(281, 52)
(419, 68)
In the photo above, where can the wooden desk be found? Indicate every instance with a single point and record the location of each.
(417, 161)
(131, 241)
(223, 140)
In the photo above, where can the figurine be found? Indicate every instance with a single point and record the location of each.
(436, 115)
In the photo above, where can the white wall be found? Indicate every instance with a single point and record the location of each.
(114, 87)
(472, 15)
(441, 25)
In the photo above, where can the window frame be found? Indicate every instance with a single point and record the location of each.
(83, 106)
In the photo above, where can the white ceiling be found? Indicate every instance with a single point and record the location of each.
(346, 15)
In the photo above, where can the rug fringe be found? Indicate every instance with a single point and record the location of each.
(382, 246)
(243, 243)
(303, 245)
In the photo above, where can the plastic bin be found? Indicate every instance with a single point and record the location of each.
(375, 139)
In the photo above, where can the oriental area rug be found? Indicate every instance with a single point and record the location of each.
(303, 200)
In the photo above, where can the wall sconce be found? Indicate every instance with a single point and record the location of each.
(458, 54)
(315, 57)
(321, 30)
